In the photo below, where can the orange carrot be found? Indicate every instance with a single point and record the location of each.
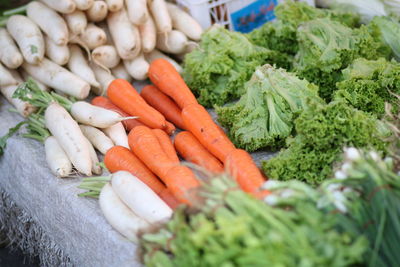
(182, 182)
(241, 166)
(163, 103)
(191, 150)
(122, 94)
(166, 144)
(170, 129)
(211, 136)
(106, 103)
(164, 75)
(169, 198)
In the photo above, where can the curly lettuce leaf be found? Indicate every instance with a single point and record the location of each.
(390, 32)
(225, 60)
(322, 132)
(263, 117)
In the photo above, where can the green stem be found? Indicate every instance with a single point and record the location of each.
(89, 194)
(15, 11)
(63, 101)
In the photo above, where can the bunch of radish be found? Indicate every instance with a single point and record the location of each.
(72, 46)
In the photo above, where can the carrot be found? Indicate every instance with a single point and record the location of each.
(211, 136)
(122, 94)
(168, 80)
(119, 158)
(191, 150)
(168, 198)
(163, 103)
(106, 103)
(170, 129)
(166, 144)
(241, 166)
(182, 182)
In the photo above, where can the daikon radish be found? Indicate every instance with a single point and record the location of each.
(76, 39)
(124, 34)
(97, 12)
(137, 67)
(84, 4)
(118, 215)
(6, 77)
(120, 72)
(56, 158)
(93, 36)
(103, 77)
(76, 22)
(59, 54)
(137, 11)
(117, 134)
(26, 76)
(161, 16)
(106, 56)
(155, 54)
(96, 168)
(183, 22)
(114, 5)
(28, 37)
(173, 42)
(58, 78)
(9, 52)
(22, 107)
(78, 65)
(49, 21)
(98, 139)
(62, 6)
(68, 134)
(148, 35)
(134, 193)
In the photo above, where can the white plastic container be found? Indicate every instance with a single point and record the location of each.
(238, 15)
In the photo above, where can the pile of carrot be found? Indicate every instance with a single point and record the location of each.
(152, 157)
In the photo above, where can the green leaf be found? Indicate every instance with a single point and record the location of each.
(11, 132)
(34, 49)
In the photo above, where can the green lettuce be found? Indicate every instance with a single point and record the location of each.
(390, 31)
(368, 84)
(225, 60)
(263, 117)
(322, 132)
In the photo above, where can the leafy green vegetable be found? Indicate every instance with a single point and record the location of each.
(322, 132)
(263, 117)
(390, 30)
(11, 132)
(368, 84)
(225, 60)
(233, 229)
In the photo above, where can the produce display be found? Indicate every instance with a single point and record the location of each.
(318, 86)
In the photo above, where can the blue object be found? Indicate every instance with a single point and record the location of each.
(253, 15)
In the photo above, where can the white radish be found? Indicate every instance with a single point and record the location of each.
(97, 12)
(103, 77)
(118, 215)
(161, 16)
(103, 25)
(9, 52)
(120, 72)
(76, 39)
(96, 168)
(138, 67)
(23, 108)
(93, 36)
(137, 11)
(58, 78)
(62, 6)
(28, 37)
(49, 21)
(56, 158)
(115, 5)
(106, 56)
(59, 54)
(134, 193)
(98, 139)
(185, 23)
(86, 113)
(148, 35)
(189, 48)
(173, 42)
(76, 22)
(6, 78)
(125, 35)
(68, 134)
(84, 4)
(78, 65)
(117, 134)
(26, 76)
(155, 54)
